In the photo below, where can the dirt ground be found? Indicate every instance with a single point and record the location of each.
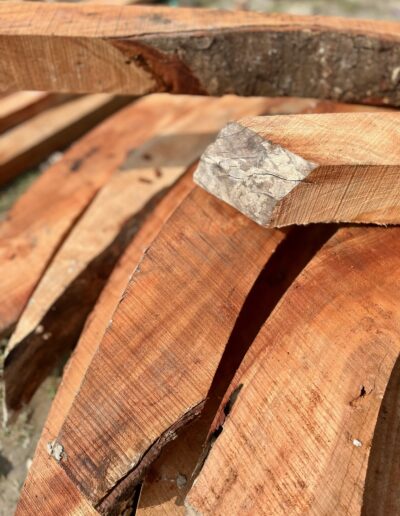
(18, 441)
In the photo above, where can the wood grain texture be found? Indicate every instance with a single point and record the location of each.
(34, 229)
(25, 146)
(48, 489)
(50, 323)
(312, 168)
(20, 106)
(170, 475)
(157, 359)
(139, 49)
(298, 437)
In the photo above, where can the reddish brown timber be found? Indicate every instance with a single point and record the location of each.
(47, 488)
(34, 230)
(155, 363)
(298, 437)
(139, 49)
(286, 170)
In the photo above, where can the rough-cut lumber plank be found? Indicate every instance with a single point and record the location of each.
(156, 361)
(50, 324)
(34, 229)
(26, 145)
(311, 168)
(20, 106)
(308, 393)
(132, 49)
(47, 488)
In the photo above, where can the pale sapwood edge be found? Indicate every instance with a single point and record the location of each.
(250, 173)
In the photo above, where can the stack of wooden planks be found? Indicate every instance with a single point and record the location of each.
(229, 357)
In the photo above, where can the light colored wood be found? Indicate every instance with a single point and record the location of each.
(298, 437)
(38, 223)
(20, 106)
(25, 146)
(139, 49)
(47, 488)
(50, 324)
(312, 168)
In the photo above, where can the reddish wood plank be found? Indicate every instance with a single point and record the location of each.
(47, 488)
(298, 437)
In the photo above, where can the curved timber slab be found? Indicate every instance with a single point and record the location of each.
(156, 362)
(308, 393)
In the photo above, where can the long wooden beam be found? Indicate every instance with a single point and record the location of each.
(311, 168)
(139, 49)
(298, 437)
(26, 145)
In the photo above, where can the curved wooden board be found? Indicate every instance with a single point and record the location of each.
(48, 489)
(298, 437)
(138, 50)
(288, 170)
(156, 362)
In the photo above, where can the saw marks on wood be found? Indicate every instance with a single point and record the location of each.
(298, 436)
(48, 489)
(50, 323)
(138, 50)
(311, 168)
(157, 359)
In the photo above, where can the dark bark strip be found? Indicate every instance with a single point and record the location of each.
(305, 63)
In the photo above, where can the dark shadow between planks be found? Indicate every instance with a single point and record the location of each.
(186, 454)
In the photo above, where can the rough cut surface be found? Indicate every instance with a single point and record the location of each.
(298, 437)
(50, 322)
(138, 50)
(47, 489)
(311, 168)
(156, 362)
